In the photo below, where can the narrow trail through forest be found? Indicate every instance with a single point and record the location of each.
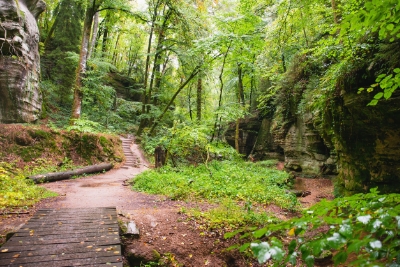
(164, 230)
(102, 190)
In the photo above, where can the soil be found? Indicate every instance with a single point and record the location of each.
(166, 235)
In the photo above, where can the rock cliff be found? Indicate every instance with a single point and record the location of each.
(20, 97)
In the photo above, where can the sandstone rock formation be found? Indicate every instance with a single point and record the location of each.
(300, 145)
(20, 97)
(368, 144)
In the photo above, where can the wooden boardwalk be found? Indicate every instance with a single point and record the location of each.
(66, 237)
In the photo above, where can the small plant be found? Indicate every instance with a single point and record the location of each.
(83, 125)
(388, 84)
(230, 215)
(360, 230)
(17, 191)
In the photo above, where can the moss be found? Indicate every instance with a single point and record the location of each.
(40, 134)
(28, 154)
(28, 145)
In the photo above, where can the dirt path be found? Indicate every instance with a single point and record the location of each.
(165, 233)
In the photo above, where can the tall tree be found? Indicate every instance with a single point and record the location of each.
(62, 39)
(91, 9)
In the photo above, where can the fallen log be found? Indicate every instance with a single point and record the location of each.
(57, 176)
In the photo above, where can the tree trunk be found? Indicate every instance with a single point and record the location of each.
(114, 58)
(335, 14)
(304, 28)
(51, 31)
(57, 176)
(105, 35)
(190, 103)
(160, 157)
(132, 59)
(220, 90)
(143, 122)
(81, 70)
(195, 71)
(240, 85)
(237, 136)
(199, 97)
(94, 33)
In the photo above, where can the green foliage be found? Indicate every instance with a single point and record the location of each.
(17, 191)
(188, 142)
(230, 215)
(388, 83)
(375, 16)
(57, 66)
(83, 125)
(360, 230)
(239, 181)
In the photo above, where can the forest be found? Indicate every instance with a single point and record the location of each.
(217, 93)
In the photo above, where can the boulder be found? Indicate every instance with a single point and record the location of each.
(20, 97)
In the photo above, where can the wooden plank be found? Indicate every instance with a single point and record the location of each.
(55, 257)
(57, 249)
(67, 257)
(66, 232)
(97, 240)
(65, 237)
(110, 261)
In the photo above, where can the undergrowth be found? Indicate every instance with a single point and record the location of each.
(360, 230)
(230, 215)
(18, 192)
(238, 181)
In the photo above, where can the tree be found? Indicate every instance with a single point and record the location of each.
(92, 7)
(63, 38)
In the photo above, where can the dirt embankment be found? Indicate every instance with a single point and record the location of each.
(36, 146)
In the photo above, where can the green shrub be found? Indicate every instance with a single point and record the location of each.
(360, 230)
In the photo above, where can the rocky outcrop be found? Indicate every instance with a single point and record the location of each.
(305, 150)
(248, 132)
(20, 97)
(298, 144)
(368, 144)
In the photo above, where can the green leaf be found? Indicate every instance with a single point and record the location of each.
(260, 233)
(335, 241)
(232, 234)
(355, 246)
(293, 258)
(244, 247)
(292, 246)
(341, 257)
(346, 230)
(387, 94)
(264, 252)
(309, 261)
(232, 247)
(390, 27)
(373, 102)
(378, 95)
(261, 251)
